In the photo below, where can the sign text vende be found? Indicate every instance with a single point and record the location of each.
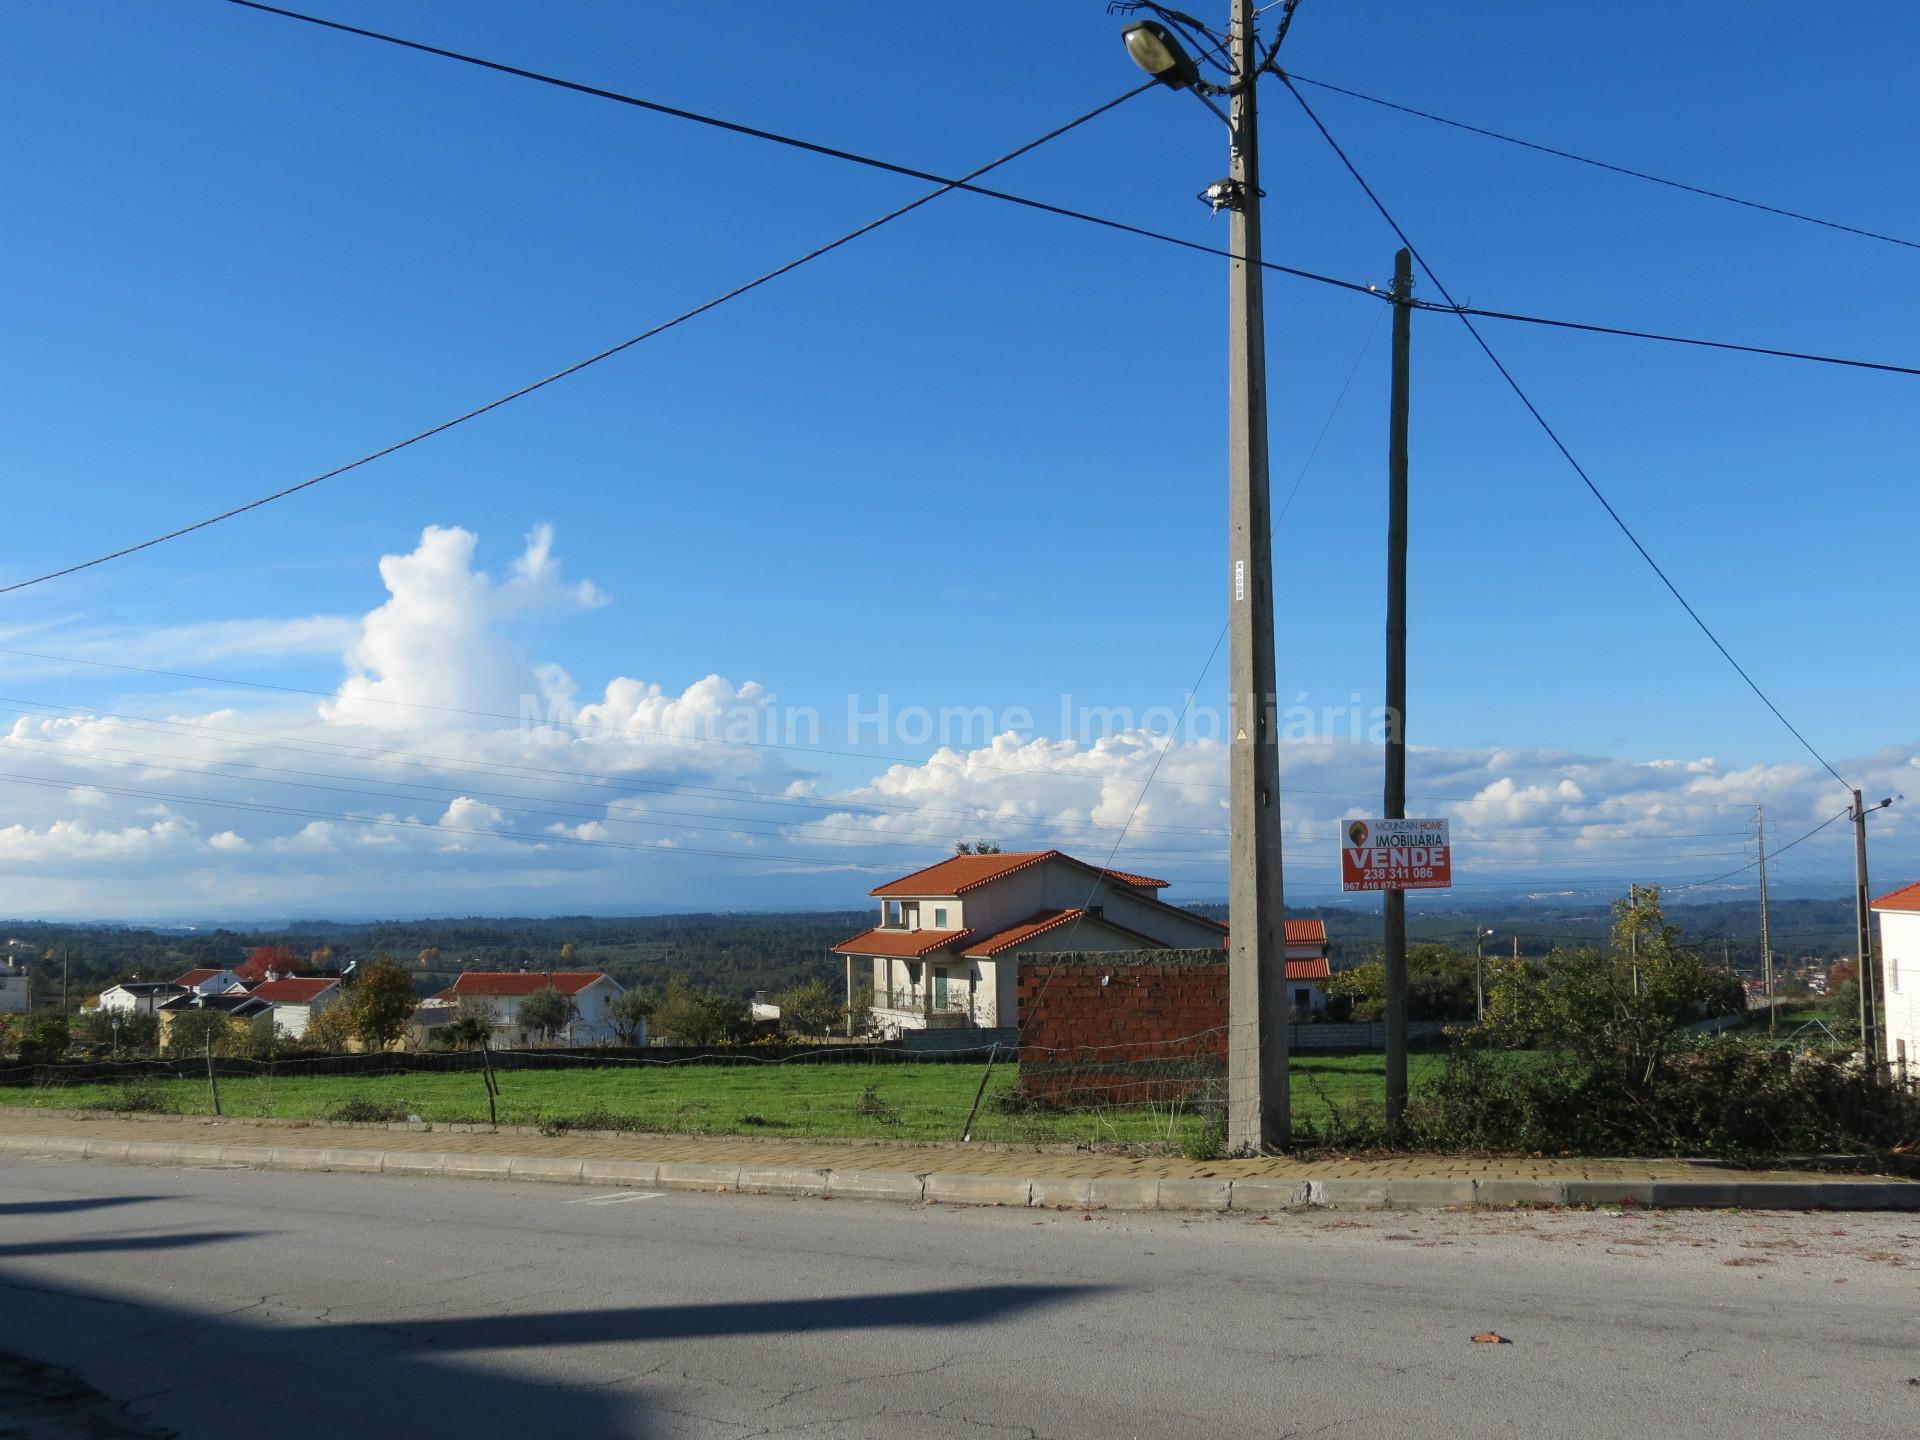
(1395, 855)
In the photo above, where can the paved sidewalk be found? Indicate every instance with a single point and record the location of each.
(924, 1173)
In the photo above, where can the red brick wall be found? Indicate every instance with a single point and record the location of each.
(1100, 1028)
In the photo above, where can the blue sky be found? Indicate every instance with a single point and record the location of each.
(976, 458)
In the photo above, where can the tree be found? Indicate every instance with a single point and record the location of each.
(699, 1017)
(43, 1039)
(810, 1008)
(380, 1002)
(330, 1031)
(630, 1011)
(546, 1013)
(264, 960)
(124, 1032)
(475, 1018)
(976, 847)
(195, 1032)
(429, 956)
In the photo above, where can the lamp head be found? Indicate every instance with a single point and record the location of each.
(1155, 50)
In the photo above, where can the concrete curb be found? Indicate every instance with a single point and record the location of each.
(1045, 1192)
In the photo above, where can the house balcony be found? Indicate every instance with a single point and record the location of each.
(916, 1009)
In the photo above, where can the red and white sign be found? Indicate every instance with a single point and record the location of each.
(1395, 855)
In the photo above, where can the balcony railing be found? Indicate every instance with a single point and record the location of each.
(956, 1009)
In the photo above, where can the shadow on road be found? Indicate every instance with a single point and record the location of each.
(77, 1203)
(896, 1310)
(108, 1244)
(385, 1374)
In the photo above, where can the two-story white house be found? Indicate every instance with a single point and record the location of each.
(296, 999)
(140, 997)
(1899, 915)
(591, 991)
(945, 952)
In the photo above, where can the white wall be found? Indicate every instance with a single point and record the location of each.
(13, 993)
(1900, 962)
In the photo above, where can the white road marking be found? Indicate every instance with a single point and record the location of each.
(618, 1197)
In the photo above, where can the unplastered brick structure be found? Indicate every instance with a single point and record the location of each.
(1122, 1028)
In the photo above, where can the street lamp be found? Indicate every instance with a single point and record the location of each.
(1155, 51)
(1257, 1090)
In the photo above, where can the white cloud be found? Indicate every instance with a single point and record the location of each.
(316, 814)
(437, 647)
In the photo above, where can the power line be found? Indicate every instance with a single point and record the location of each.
(1553, 435)
(1065, 212)
(946, 185)
(578, 365)
(1753, 864)
(1604, 164)
(1594, 329)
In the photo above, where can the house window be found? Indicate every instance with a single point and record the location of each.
(1302, 997)
(939, 917)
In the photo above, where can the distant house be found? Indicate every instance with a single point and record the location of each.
(1899, 914)
(235, 1005)
(211, 982)
(591, 991)
(1307, 966)
(946, 951)
(140, 997)
(296, 999)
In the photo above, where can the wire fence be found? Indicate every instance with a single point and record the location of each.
(1100, 1095)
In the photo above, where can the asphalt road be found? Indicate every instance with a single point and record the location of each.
(217, 1303)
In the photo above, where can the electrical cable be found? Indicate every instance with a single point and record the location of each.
(579, 365)
(1554, 436)
(1594, 329)
(1605, 165)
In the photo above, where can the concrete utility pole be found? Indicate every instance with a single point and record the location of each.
(1257, 1095)
(1766, 930)
(1479, 971)
(1394, 902)
(1863, 940)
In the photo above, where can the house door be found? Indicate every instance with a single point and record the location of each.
(939, 989)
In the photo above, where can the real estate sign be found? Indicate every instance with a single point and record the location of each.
(1395, 855)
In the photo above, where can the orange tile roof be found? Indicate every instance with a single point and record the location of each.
(1306, 932)
(295, 989)
(1314, 969)
(1045, 920)
(1139, 882)
(195, 977)
(899, 944)
(507, 983)
(961, 873)
(1907, 897)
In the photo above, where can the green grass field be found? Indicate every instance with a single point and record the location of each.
(800, 1100)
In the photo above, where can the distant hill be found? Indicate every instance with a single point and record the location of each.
(742, 953)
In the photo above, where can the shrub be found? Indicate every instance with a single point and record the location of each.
(364, 1110)
(136, 1097)
(43, 1039)
(598, 1117)
(870, 1106)
(1208, 1140)
(1725, 1096)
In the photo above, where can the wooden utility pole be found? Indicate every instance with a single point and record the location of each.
(1257, 1094)
(1394, 902)
(1766, 929)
